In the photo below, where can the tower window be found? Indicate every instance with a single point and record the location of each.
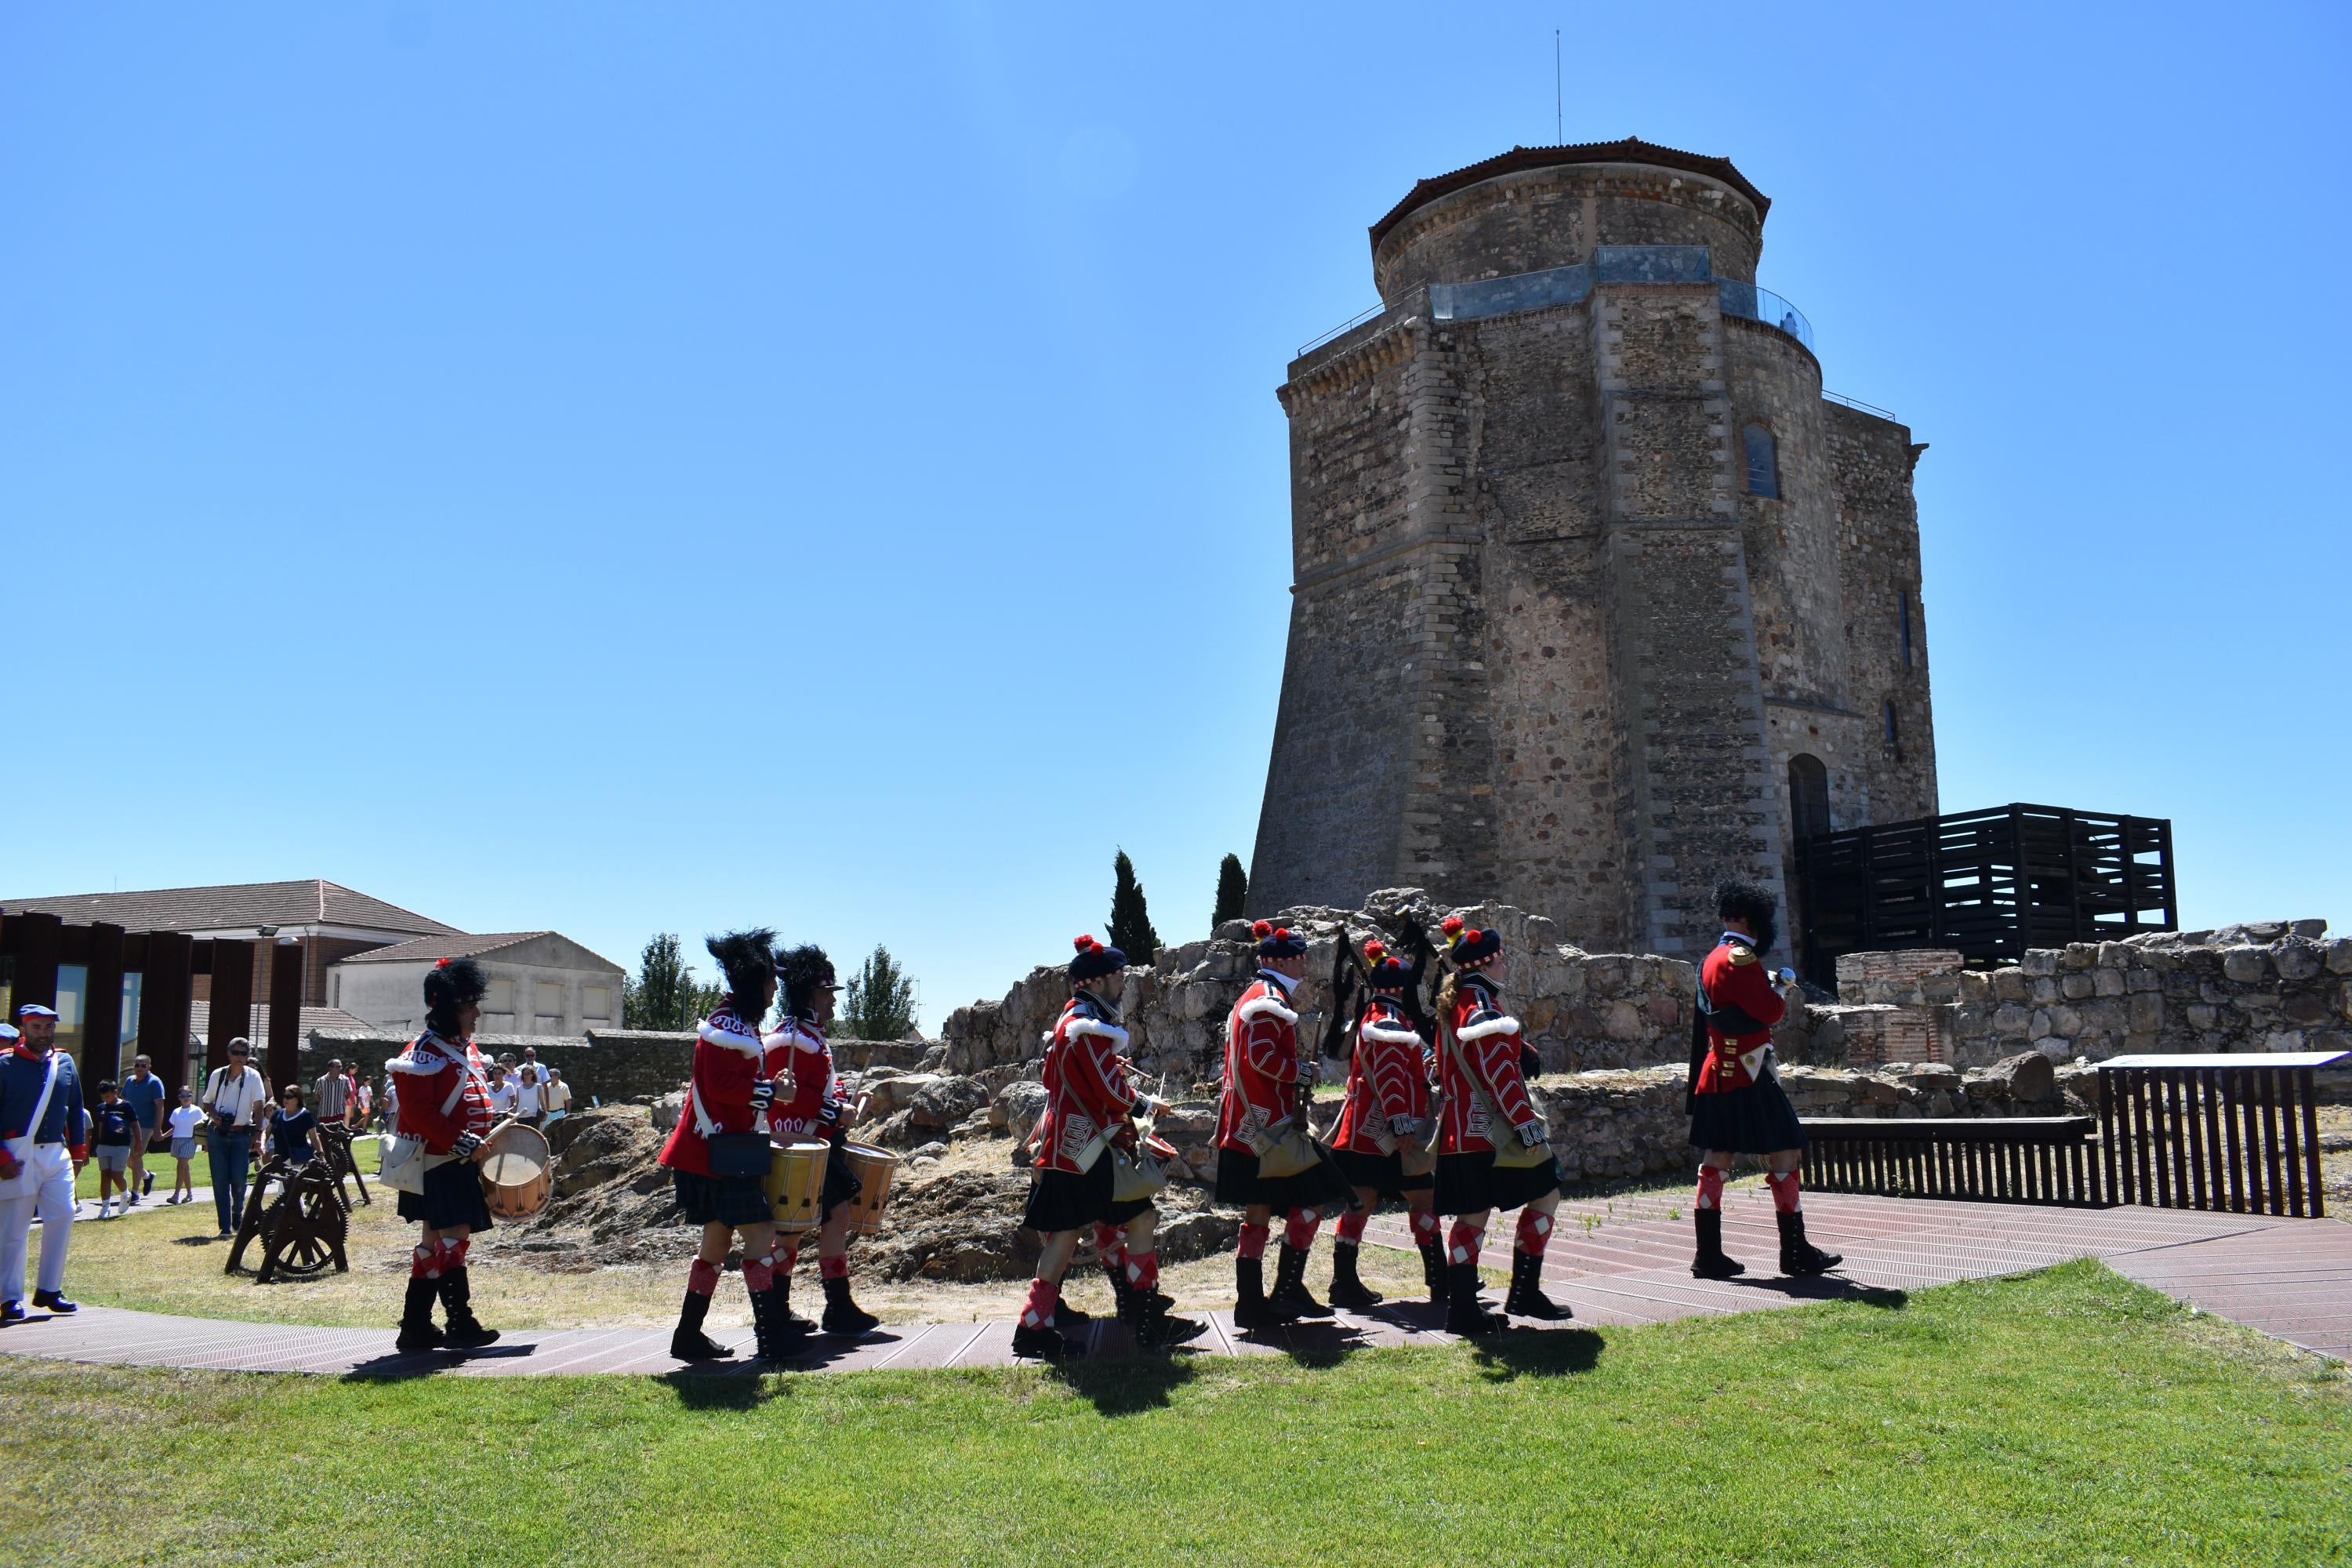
(1903, 604)
(1886, 711)
(1763, 463)
(1809, 796)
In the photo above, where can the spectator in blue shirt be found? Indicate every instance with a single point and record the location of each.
(293, 1131)
(146, 1096)
(114, 1124)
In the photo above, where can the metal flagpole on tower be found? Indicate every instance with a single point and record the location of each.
(1559, 114)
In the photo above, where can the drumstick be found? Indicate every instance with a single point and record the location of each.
(480, 1149)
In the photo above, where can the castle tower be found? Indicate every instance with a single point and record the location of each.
(1595, 596)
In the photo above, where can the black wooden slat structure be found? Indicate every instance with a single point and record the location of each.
(2235, 1134)
(1989, 884)
(35, 945)
(1987, 1159)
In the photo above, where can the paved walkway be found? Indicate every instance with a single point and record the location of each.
(1616, 1263)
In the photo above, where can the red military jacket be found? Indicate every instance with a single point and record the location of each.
(442, 1093)
(728, 1056)
(1388, 1082)
(1087, 1089)
(1487, 1044)
(814, 1109)
(1263, 1069)
(1741, 1008)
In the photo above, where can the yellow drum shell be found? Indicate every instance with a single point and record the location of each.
(794, 1180)
(518, 1172)
(873, 1168)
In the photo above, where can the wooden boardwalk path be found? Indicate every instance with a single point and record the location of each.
(1616, 1262)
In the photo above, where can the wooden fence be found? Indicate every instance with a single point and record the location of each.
(1987, 1159)
(2238, 1133)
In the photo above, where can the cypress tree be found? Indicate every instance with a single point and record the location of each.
(1233, 891)
(1130, 923)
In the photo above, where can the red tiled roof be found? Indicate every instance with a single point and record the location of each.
(313, 902)
(1632, 150)
(429, 947)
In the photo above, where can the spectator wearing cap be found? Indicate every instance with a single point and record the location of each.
(112, 1124)
(145, 1094)
(43, 1140)
(233, 1098)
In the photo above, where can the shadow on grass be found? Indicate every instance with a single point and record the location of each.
(1826, 1288)
(1128, 1384)
(1539, 1352)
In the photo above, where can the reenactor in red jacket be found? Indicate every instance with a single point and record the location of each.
(1379, 1142)
(1736, 1105)
(1483, 1068)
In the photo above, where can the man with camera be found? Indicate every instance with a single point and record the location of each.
(233, 1098)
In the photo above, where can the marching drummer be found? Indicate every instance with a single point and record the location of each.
(445, 1104)
(819, 1108)
(1089, 1098)
(718, 1152)
(1377, 1141)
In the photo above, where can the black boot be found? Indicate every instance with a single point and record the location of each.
(1154, 1330)
(1464, 1313)
(1432, 1269)
(775, 1338)
(1710, 1263)
(416, 1331)
(1044, 1344)
(1291, 1298)
(1346, 1288)
(842, 1315)
(465, 1331)
(688, 1341)
(1526, 1298)
(1251, 1309)
(1799, 1256)
(789, 1322)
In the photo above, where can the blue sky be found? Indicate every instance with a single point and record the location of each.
(633, 467)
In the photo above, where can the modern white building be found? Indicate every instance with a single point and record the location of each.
(541, 983)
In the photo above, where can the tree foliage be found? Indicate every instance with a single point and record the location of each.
(663, 994)
(1130, 923)
(881, 1001)
(1233, 891)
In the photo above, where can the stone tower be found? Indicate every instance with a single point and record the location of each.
(1595, 596)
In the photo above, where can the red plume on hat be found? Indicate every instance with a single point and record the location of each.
(1261, 929)
(440, 964)
(1085, 944)
(1375, 950)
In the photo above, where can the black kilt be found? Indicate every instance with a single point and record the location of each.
(1068, 1200)
(1384, 1174)
(452, 1197)
(1758, 1119)
(1239, 1185)
(840, 1184)
(723, 1200)
(1471, 1180)
(1121, 1213)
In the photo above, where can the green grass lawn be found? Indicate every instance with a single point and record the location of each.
(2065, 1417)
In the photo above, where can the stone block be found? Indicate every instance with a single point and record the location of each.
(2144, 980)
(2011, 985)
(2144, 1013)
(2076, 987)
(2297, 958)
(2107, 981)
(2246, 965)
(2046, 990)
(2078, 955)
(2039, 961)
(2040, 1026)
(2011, 1018)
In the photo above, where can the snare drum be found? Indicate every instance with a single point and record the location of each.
(873, 1168)
(517, 1174)
(796, 1179)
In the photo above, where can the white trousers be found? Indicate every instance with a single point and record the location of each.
(44, 1186)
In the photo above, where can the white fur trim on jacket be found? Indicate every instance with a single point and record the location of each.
(728, 1040)
(800, 1039)
(1392, 1035)
(1502, 1025)
(1111, 1032)
(432, 1059)
(1261, 1006)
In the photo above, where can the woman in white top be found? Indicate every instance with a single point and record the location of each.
(186, 1121)
(530, 1096)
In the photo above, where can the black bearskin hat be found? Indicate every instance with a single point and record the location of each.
(802, 969)
(1736, 900)
(452, 983)
(747, 959)
(1094, 961)
(1384, 969)
(1467, 946)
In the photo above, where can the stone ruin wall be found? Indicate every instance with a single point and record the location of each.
(2276, 985)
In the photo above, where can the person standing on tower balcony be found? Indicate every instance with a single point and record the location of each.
(1736, 1105)
(1268, 1084)
(1380, 1143)
(1492, 1148)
